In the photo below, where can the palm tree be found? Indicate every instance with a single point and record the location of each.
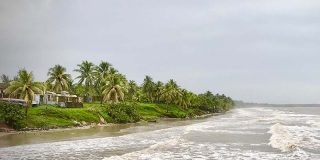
(140, 96)
(101, 73)
(114, 89)
(59, 78)
(132, 90)
(208, 94)
(171, 92)
(5, 79)
(185, 99)
(102, 70)
(86, 70)
(24, 87)
(158, 90)
(148, 88)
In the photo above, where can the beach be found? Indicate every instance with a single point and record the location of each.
(242, 133)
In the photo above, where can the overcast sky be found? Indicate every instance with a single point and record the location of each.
(251, 50)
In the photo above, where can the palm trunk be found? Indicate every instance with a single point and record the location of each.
(27, 108)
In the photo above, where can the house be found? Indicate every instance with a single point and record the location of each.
(15, 99)
(64, 99)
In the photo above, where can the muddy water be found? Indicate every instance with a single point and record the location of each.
(111, 130)
(244, 133)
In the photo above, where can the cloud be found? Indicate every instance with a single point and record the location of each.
(253, 50)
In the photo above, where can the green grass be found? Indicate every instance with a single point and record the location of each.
(48, 116)
(52, 116)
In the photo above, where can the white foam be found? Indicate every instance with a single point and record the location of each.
(187, 150)
(147, 153)
(314, 123)
(171, 143)
(282, 139)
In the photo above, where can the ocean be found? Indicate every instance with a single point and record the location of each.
(242, 133)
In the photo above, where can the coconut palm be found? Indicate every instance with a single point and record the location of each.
(102, 70)
(113, 71)
(185, 99)
(5, 79)
(25, 88)
(171, 92)
(59, 78)
(208, 94)
(86, 70)
(101, 73)
(114, 89)
(132, 90)
(148, 88)
(158, 91)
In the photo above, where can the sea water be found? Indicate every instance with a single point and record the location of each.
(242, 133)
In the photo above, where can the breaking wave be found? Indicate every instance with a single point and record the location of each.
(282, 139)
(244, 133)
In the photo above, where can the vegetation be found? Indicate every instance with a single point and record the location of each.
(59, 78)
(102, 71)
(86, 70)
(12, 115)
(114, 89)
(25, 88)
(109, 95)
(123, 112)
(49, 116)
(171, 93)
(5, 79)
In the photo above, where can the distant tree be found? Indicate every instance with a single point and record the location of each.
(114, 89)
(140, 96)
(59, 78)
(5, 79)
(101, 73)
(86, 77)
(148, 88)
(208, 94)
(171, 92)
(158, 91)
(24, 87)
(15, 78)
(113, 71)
(132, 90)
(185, 100)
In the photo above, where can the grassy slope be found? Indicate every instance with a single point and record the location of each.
(47, 116)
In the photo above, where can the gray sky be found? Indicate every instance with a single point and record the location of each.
(251, 50)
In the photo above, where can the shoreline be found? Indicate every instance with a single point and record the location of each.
(40, 130)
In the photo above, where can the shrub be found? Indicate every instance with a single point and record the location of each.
(12, 115)
(123, 112)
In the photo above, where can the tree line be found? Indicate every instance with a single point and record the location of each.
(106, 84)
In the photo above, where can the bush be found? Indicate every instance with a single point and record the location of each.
(12, 115)
(123, 112)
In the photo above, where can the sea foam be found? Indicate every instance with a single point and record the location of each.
(282, 139)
